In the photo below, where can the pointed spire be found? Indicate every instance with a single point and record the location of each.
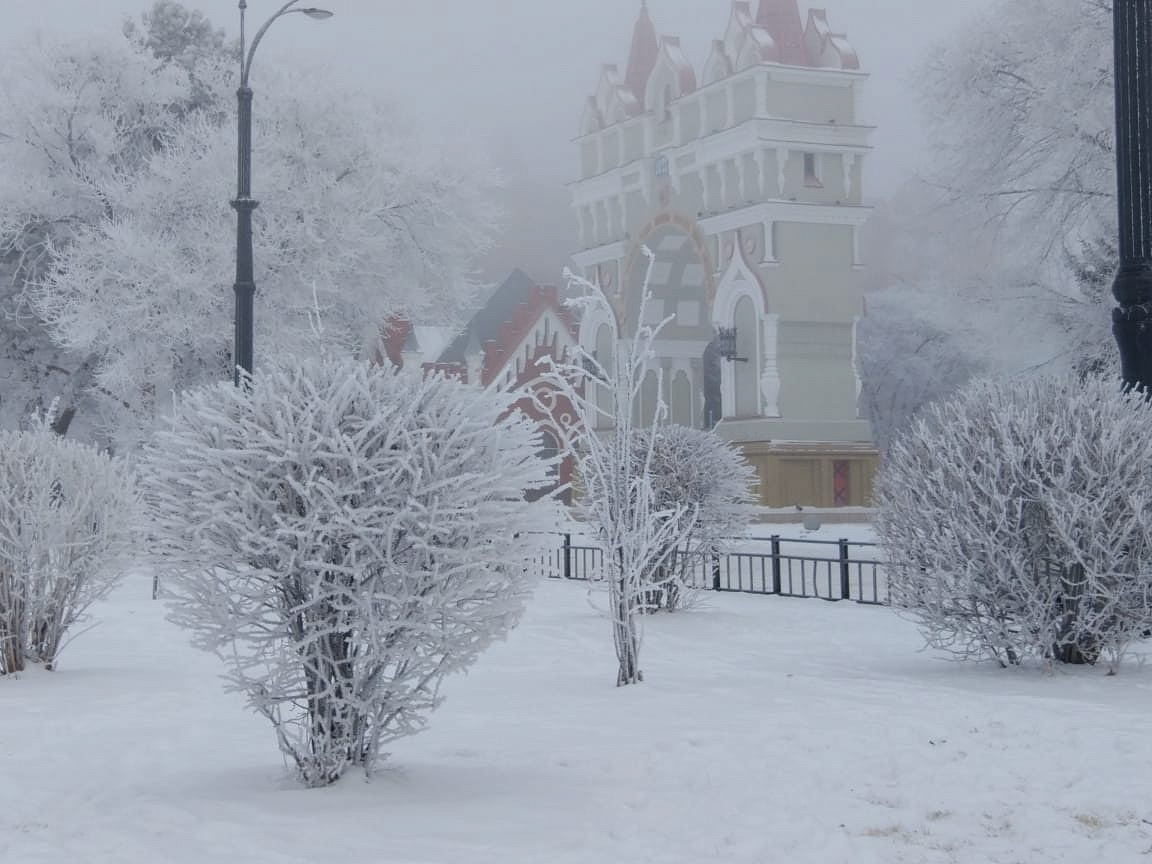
(781, 18)
(644, 54)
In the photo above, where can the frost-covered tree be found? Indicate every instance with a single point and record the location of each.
(67, 523)
(344, 538)
(618, 498)
(701, 479)
(907, 359)
(173, 32)
(1019, 107)
(1017, 520)
(76, 118)
(1021, 110)
(117, 187)
(358, 218)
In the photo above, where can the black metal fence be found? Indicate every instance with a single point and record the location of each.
(788, 567)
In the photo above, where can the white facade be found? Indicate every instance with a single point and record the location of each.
(748, 190)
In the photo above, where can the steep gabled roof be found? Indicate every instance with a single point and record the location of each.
(826, 48)
(781, 18)
(685, 73)
(487, 324)
(642, 57)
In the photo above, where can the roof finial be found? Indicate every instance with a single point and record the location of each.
(643, 55)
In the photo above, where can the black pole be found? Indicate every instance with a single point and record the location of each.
(244, 205)
(1132, 321)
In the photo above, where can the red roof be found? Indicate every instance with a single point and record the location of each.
(781, 18)
(642, 58)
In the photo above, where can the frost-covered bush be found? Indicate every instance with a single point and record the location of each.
(1017, 519)
(618, 500)
(67, 514)
(344, 537)
(702, 480)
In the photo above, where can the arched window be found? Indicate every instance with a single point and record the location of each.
(649, 397)
(549, 451)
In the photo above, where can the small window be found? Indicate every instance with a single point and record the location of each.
(667, 106)
(549, 452)
(811, 170)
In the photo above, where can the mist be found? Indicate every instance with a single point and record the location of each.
(512, 76)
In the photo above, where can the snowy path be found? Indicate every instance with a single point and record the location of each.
(768, 730)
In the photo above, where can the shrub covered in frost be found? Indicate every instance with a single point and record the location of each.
(67, 514)
(1017, 518)
(701, 480)
(344, 537)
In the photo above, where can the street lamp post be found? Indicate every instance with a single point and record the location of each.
(244, 203)
(1132, 321)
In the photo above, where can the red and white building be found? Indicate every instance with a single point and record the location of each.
(503, 346)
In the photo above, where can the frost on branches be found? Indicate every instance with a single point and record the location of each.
(76, 119)
(1017, 520)
(619, 500)
(700, 478)
(116, 170)
(344, 537)
(67, 516)
(1020, 110)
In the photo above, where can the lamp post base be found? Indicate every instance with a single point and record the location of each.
(1132, 324)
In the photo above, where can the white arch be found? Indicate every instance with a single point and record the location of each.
(740, 281)
(595, 315)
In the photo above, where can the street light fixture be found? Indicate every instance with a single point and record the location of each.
(1132, 321)
(244, 203)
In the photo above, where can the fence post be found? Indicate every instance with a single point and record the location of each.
(777, 587)
(845, 577)
(567, 556)
(715, 571)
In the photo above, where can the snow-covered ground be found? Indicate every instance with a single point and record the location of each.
(768, 730)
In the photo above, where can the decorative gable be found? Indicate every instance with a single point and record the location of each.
(825, 48)
(718, 66)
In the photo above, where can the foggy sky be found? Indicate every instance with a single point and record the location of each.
(514, 74)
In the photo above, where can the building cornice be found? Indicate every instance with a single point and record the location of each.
(785, 211)
(600, 254)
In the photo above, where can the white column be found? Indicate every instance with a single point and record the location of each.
(727, 386)
(762, 167)
(856, 364)
(770, 373)
(742, 191)
(600, 221)
(781, 170)
(769, 243)
(849, 162)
